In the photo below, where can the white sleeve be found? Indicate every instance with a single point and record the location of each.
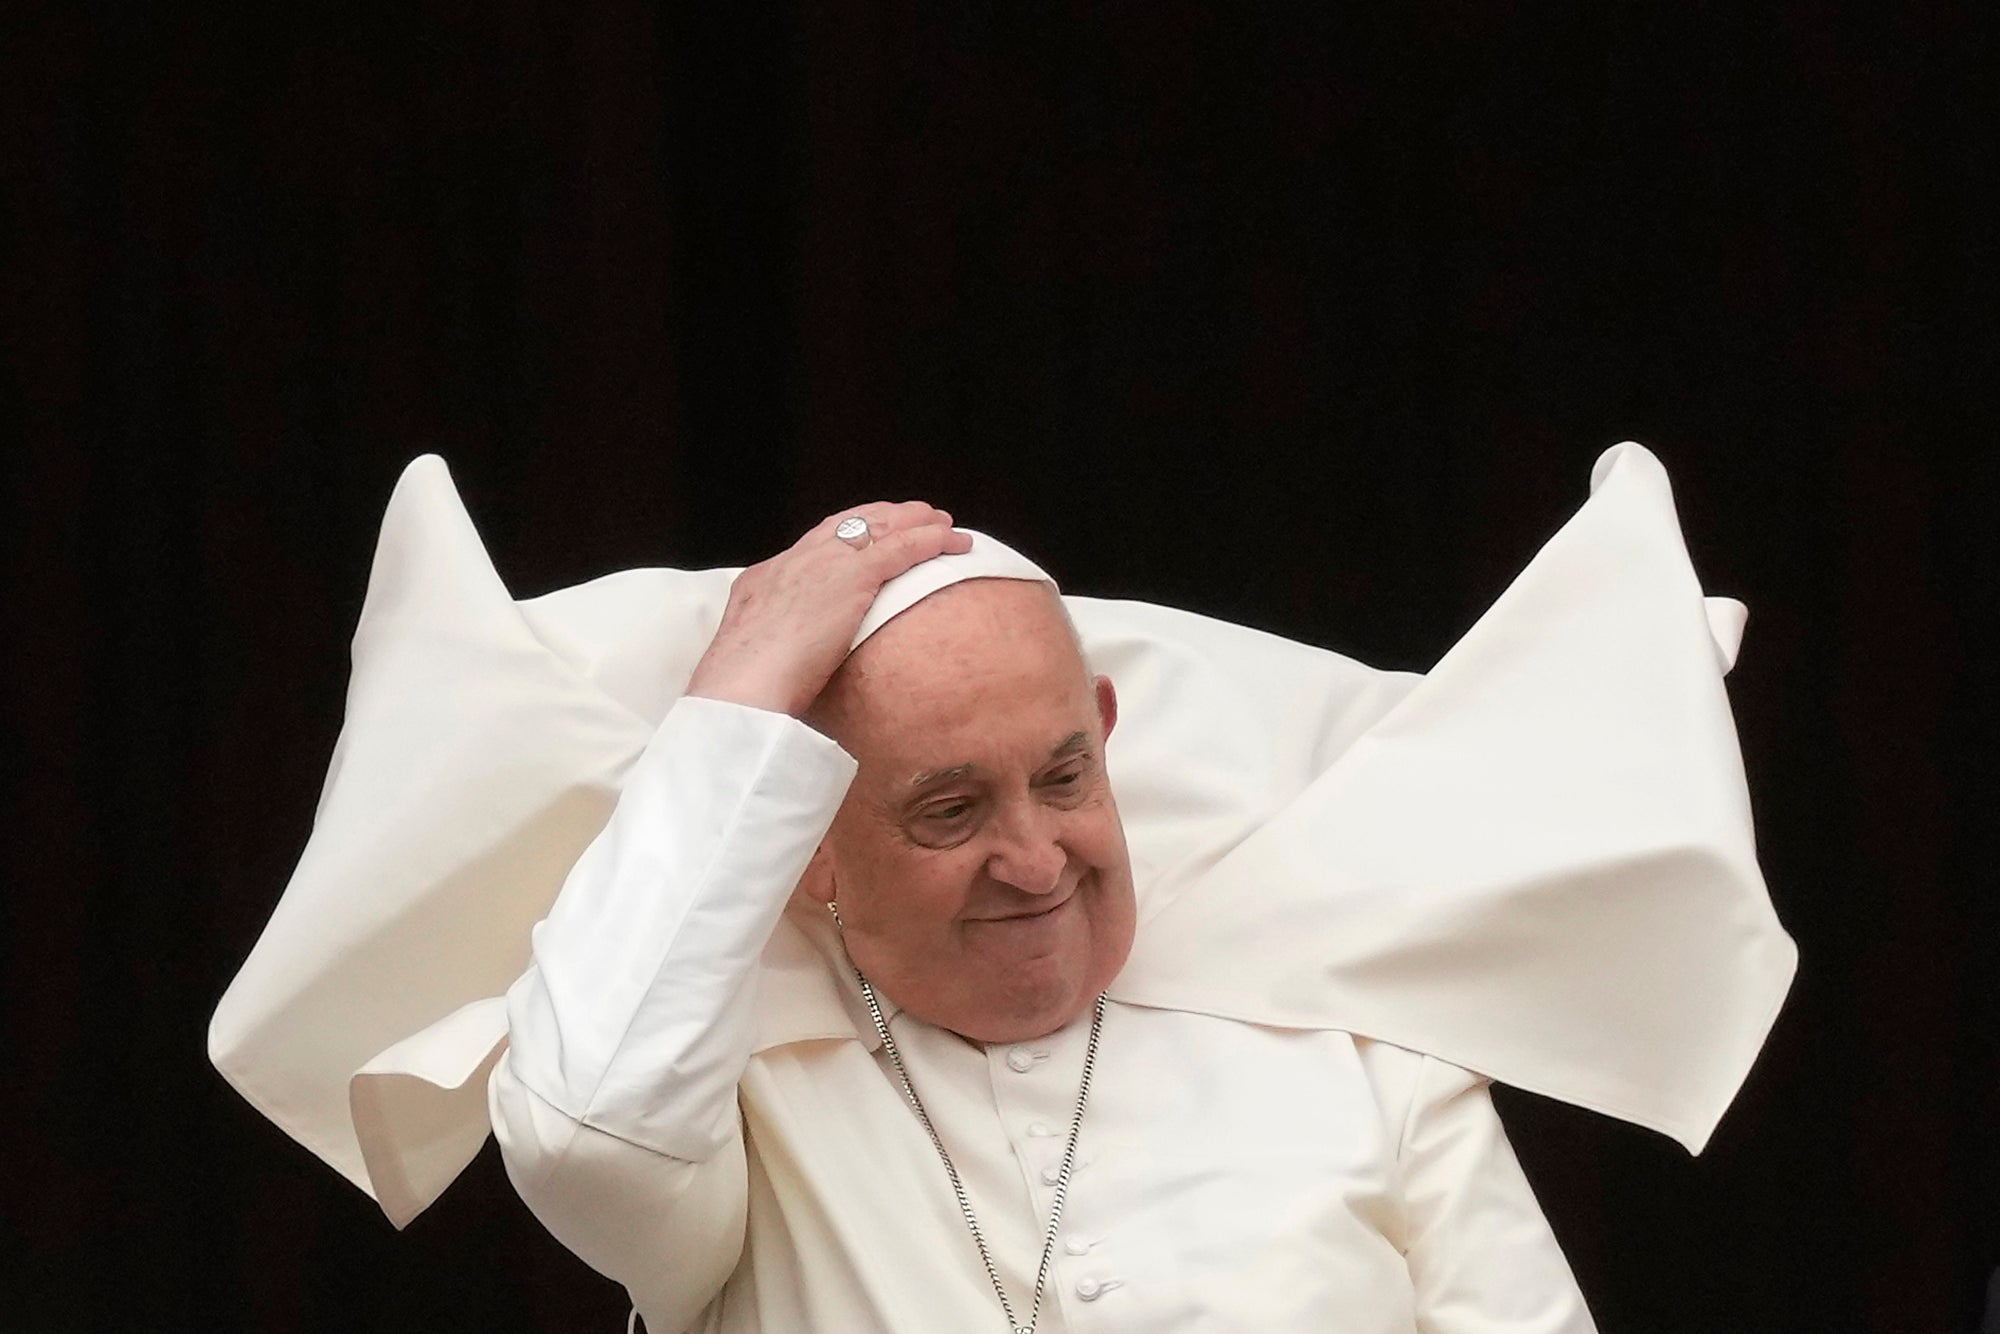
(615, 1104)
(1482, 1258)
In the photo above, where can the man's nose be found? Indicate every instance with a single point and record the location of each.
(1028, 855)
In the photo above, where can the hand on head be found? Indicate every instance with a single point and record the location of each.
(978, 857)
(791, 619)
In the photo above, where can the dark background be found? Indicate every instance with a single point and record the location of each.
(1312, 317)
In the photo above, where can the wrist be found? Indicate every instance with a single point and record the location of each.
(770, 696)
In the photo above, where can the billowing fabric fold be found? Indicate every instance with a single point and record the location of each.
(1537, 864)
(1536, 861)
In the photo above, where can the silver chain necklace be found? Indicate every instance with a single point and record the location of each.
(950, 1170)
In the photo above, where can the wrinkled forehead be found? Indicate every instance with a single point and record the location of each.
(989, 558)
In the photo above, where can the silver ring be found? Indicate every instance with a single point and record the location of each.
(854, 531)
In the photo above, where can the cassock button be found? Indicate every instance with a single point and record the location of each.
(1051, 1175)
(1019, 1061)
(1041, 1130)
(1077, 1246)
(1088, 1288)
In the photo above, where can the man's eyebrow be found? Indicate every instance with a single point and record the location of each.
(929, 776)
(1069, 745)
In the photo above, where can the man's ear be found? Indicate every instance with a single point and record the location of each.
(1107, 704)
(817, 881)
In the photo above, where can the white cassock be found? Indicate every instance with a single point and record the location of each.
(1231, 1176)
(1534, 862)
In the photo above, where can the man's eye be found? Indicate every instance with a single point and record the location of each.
(954, 811)
(1070, 779)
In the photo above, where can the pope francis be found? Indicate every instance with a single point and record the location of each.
(877, 940)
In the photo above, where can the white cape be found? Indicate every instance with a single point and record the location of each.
(1535, 861)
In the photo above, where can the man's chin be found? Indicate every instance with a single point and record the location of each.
(1028, 1002)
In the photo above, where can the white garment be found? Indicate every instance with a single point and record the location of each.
(1535, 862)
(1231, 1176)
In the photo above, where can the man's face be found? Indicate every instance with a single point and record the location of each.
(978, 859)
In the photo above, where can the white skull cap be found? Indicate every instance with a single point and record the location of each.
(990, 558)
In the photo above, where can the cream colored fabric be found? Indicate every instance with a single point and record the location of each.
(1230, 1176)
(1293, 1222)
(1537, 863)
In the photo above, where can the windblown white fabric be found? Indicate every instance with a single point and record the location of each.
(1536, 862)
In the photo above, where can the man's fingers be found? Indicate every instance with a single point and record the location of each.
(891, 555)
(915, 514)
(790, 619)
(885, 517)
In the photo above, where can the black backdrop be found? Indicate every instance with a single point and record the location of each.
(1309, 318)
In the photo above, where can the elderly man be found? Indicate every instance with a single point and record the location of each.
(1007, 1150)
(841, 994)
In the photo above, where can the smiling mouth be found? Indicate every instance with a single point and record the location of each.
(1033, 914)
